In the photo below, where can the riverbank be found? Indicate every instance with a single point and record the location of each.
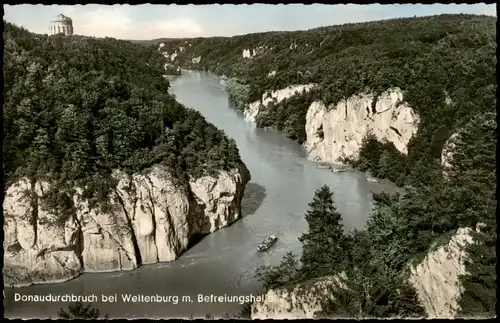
(224, 262)
(308, 147)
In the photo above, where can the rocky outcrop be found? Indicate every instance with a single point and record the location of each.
(251, 53)
(256, 107)
(343, 126)
(303, 301)
(436, 278)
(34, 250)
(447, 152)
(151, 219)
(336, 132)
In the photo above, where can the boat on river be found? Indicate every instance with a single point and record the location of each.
(339, 170)
(267, 243)
(323, 166)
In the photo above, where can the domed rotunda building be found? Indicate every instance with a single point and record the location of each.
(61, 24)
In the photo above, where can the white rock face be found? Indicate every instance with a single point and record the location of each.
(178, 69)
(447, 153)
(161, 46)
(172, 56)
(252, 111)
(271, 74)
(151, 220)
(217, 197)
(196, 60)
(34, 250)
(107, 242)
(345, 125)
(246, 53)
(436, 278)
(251, 53)
(256, 107)
(304, 301)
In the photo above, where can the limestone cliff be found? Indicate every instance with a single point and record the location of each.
(151, 220)
(254, 108)
(344, 125)
(436, 280)
(447, 152)
(302, 301)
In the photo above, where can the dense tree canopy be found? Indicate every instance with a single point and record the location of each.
(76, 108)
(401, 230)
(444, 64)
(371, 287)
(323, 244)
(446, 67)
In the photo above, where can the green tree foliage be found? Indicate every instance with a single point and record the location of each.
(474, 166)
(238, 93)
(277, 276)
(381, 158)
(374, 285)
(445, 65)
(370, 152)
(323, 244)
(372, 260)
(77, 108)
(404, 227)
(79, 310)
(288, 116)
(380, 294)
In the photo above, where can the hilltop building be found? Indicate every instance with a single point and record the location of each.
(61, 24)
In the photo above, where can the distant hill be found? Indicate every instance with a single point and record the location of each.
(445, 68)
(150, 42)
(433, 60)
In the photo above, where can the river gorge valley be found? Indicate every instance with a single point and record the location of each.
(224, 262)
(340, 171)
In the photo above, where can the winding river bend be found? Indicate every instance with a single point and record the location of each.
(224, 262)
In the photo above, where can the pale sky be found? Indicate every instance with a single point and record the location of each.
(172, 21)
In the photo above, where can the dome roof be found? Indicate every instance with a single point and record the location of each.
(61, 17)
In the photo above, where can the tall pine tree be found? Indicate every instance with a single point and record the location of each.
(323, 245)
(474, 165)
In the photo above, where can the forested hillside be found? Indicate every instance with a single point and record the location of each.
(445, 65)
(76, 108)
(401, 230)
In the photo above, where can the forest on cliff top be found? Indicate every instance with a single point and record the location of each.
(445, 66)
(77, 108)
(401, 231)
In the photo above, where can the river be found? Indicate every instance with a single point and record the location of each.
(224, 262)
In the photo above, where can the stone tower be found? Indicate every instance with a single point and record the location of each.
(61, 24)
